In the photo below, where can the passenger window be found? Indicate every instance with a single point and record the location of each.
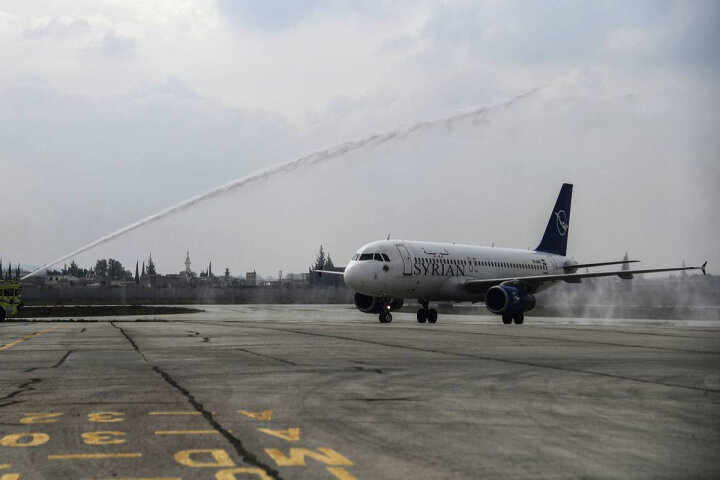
(386, 258)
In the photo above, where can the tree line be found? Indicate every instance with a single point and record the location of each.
(324, 262)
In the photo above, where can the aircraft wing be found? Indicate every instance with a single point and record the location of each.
(340, 271)
(480, 286)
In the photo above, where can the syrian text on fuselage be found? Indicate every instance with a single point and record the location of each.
(438, 269)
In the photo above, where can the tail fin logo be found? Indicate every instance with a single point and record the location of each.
(562, 223)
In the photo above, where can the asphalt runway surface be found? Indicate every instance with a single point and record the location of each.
(326, 392)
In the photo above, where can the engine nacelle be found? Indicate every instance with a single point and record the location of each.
(368, 304)
(507, 300)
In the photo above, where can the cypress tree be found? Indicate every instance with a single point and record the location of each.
(151, 266)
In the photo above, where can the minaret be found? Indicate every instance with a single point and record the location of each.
(187, 263)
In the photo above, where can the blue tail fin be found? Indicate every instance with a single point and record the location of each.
(556, 233)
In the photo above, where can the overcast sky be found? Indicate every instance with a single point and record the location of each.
(113, 110)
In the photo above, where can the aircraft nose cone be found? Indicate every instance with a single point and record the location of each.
(353, 276)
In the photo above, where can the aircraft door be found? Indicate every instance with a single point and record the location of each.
(407, 261)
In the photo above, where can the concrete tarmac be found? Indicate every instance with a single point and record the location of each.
(313, 392)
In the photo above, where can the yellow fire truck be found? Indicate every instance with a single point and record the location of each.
(10, 298)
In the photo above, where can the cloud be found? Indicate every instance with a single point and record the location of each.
(627, 40)
(59, 28)
(536, 32)
(270, 14)
(116, 46)
(277, 15)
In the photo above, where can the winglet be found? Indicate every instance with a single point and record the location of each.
(703, 267)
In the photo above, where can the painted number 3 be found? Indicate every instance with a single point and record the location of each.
(106, 417)
(103, 438)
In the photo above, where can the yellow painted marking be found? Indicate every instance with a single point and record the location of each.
(264, 415)
(186, 432)
(297, 456)
(143, 478)
(220, 458)
(34, 418)
(24, 439)
(175, 413)
(5, 465)
(10, 476)
(89, 456)
(106, 417)
(341, 474)
(12, 344)
(291, 434)
(229, 474)
(103, 438)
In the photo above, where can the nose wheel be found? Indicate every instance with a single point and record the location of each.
(426, 315)
(385, 317)
(518, 318)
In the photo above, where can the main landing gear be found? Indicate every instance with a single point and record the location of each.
(425, 315)
(518, 317)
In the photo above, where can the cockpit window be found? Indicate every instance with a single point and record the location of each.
(366, 256)
(385, 257)
(356, 256)
(378, 257)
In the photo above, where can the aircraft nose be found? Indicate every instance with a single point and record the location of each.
(353, 276)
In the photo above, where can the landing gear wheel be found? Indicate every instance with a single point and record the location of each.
(519, 318)
(422, 315)
(432, 315)
(385, 317)
(507, 319)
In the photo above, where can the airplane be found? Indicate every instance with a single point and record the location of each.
(386, 272)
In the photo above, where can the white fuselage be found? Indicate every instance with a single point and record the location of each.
(438, 271)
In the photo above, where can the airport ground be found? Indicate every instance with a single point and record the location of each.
(313, 391)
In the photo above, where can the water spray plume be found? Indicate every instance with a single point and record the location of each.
(312, 159)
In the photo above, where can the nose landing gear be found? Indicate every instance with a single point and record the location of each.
(385, 315)
(519, 318)
(425, 314)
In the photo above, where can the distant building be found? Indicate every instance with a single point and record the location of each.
(187, 276)
(54, 280)
(297, 279)
(251, 279)
(226, 280)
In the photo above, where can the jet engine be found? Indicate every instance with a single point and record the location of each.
(368, 304)
(507, 300)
